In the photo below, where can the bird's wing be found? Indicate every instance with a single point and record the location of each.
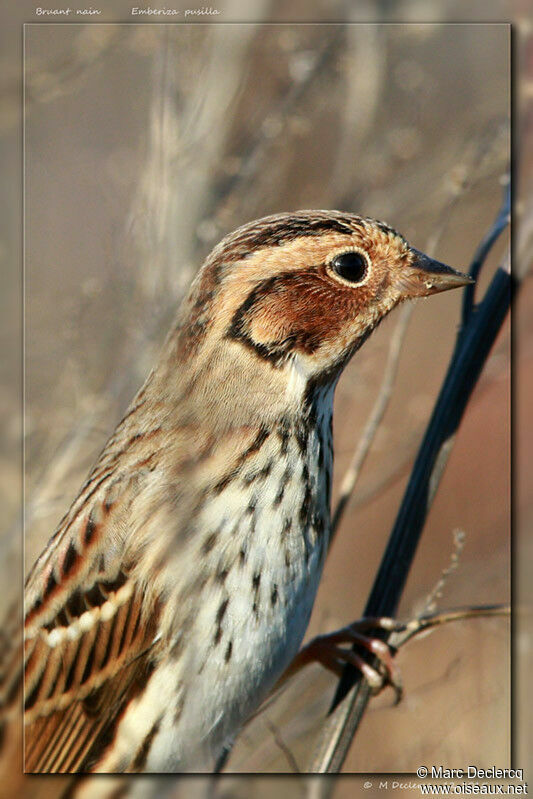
(90, 631)
(76, 687)
(93, 606)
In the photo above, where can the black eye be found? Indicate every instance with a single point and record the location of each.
(351, 266)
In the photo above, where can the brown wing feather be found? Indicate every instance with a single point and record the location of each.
(78, 682)
(89, 629)
(92, 631)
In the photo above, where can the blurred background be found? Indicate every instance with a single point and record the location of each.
(144, 145)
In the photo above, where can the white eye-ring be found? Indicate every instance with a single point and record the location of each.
(351, 267)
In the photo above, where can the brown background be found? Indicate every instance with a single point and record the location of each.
(146, 144)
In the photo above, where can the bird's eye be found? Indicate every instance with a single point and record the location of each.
(351, 266)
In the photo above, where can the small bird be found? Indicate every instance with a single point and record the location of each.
(178, 587)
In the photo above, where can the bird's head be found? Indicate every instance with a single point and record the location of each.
(299, 293)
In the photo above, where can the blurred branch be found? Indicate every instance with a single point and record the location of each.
(473, 345)
(280, 743)
(404, 632)
(500, 223)
(459, 538)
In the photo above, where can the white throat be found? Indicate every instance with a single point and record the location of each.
(298, 378)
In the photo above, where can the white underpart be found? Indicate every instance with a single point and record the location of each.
(221, 695)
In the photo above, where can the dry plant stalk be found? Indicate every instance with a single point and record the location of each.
(473, 345)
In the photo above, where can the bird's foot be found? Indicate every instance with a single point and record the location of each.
(327, 650)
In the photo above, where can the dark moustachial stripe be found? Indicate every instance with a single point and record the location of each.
(238, 327)
(275, 352)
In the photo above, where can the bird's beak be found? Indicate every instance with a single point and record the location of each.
(425, 276)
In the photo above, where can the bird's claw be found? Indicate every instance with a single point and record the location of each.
(327, 649)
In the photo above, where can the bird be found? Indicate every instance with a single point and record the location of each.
(177, 589)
